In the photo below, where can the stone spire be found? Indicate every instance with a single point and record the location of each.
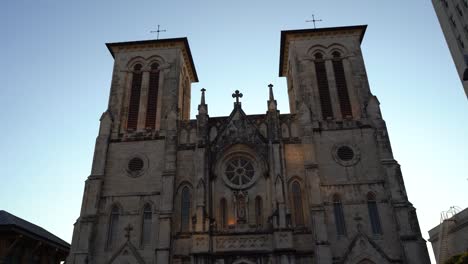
(203, 107)
(271, 102)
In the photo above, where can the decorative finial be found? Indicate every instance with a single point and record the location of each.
(272, 97)
(237, 95)
(202, 96)
(128, 229)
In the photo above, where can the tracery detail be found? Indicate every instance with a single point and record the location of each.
(239, 171)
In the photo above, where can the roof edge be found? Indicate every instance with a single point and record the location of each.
(184, 40)
(313, 30)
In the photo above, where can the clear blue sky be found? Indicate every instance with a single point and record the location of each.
(56, 71)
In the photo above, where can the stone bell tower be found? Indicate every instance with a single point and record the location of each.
(127, 204)
(357, 201)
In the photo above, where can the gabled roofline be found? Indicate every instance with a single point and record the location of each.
(184, 41)
(286, 33)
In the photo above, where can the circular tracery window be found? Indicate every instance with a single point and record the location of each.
(239, 172)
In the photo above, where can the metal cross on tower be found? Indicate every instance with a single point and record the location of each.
(237, 95)
(157, 31)
(314, 20)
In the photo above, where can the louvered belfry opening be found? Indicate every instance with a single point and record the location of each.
(134, 104)
(342, 88)
(152, 97)
(322, 82)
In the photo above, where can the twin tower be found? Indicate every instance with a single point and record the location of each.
(319, 185)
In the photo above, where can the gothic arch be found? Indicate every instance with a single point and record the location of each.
(112, 205)
(337, 47)
(143, 203)
(156, 59)
(316, 49)
(134, 61)
(182, 185)
(295, 178)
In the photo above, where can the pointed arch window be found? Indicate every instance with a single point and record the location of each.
(146, 225)
(297, 204)
(152, 103)
(223, 213)
(113, 225)
(135, 92)
(258, 211)
(323, 89)
(374, 214)
(341, 86)
(185, 210)
(339, 216)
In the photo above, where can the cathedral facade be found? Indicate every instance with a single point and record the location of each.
(319, 185)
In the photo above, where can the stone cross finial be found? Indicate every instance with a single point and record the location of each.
(237, 95)
(272, 97)
(202, 96)
(128, 229)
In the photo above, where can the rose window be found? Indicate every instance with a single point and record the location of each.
(239, 171)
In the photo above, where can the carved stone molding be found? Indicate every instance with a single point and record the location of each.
(250, 243)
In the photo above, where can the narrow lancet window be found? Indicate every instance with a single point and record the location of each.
(185, 210)
(322, 82)
(339, 216)
(113, 225)
(341, 86)
(152, 97)
(297, 204)
(258, 211)
(374, 214)
(146, 227)
(223, 213)
(134, 104)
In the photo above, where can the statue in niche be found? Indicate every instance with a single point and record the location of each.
(241, 201)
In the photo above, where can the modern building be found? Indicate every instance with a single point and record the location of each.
(24, 242)
(453, 19)
(450, 238)
(317, 185)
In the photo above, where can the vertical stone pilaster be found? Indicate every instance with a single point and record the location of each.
(332, 89)
(353, 90)
(143, 101)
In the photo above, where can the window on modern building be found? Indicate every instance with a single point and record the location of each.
(297, 204)
(459, 11)
(134, 104)
(258, 211)
(223, 213)
(445, 3)
(185, 210)
(339, 216)
(341, 86)
(460, 42)
(374, 214)
(152, 97)
(452, 21)
(146, 226)
(113, 225)
(322, 82)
